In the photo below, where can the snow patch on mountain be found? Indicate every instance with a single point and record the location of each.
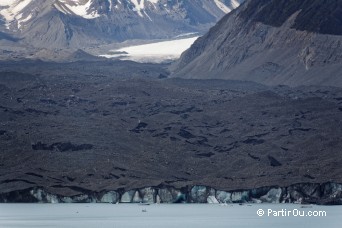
(154, 1)
(139, 7)
(22, 20)
(222, 6)
(235, 3)
(8, 3)
(110, 5)
(228, 6)
(79, 8)
(11, 11)
(83, 8)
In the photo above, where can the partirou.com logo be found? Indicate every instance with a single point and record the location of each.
(290, 213)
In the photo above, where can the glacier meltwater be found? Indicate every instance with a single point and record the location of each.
(164, 216)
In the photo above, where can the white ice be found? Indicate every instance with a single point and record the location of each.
(154, 52)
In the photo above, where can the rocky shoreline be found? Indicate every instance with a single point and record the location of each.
(305, 193)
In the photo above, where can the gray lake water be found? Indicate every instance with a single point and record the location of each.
(165, 216)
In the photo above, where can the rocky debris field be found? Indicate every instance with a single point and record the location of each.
(88, 128)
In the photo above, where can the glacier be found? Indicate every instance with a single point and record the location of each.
(327, 193)
(157, 52)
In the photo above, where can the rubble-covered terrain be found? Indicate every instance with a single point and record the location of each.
(101, 129)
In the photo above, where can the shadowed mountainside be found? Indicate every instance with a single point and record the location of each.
(271, 42)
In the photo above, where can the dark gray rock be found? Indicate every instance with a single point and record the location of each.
(270, 42)
(84, 93)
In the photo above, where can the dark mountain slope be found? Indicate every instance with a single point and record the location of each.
(4, 36)
(321, 16)
(271, 42)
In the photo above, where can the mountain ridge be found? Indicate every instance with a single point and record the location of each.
(92, 22)
(312, 16)
(242, 48)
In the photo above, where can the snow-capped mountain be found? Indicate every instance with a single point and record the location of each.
(274, 42)
(75, 23)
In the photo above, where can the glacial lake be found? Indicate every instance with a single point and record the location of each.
(163, 216)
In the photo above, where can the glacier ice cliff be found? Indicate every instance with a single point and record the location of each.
(327, 193)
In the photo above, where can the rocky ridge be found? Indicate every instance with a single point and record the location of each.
(60, 24)
(256, 43)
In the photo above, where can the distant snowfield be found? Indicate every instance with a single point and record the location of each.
(154, 52)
